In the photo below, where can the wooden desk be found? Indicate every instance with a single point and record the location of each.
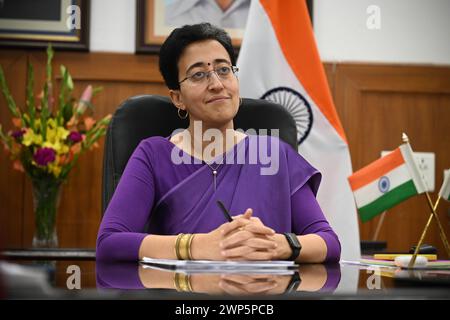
(353, 282)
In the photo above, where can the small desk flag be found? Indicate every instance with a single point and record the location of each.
(386, 182)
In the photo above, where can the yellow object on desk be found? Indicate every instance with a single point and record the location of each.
(392, 256)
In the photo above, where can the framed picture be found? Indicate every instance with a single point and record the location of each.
(31, 23)
(157, 18)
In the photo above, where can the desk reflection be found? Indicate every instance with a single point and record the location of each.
(308, 278)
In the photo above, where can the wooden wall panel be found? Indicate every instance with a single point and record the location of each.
(376, 104)
(11, 181)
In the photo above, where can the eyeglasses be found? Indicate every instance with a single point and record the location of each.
(201, 77)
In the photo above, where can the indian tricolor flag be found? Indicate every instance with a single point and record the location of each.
(444, 193)
(386, 182)
(279, 61)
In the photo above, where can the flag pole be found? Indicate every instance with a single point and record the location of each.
(422, 237)
(380, 222)
(441, 229)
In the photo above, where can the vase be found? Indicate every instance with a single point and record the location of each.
(46, 198)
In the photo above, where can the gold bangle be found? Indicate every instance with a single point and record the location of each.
(183, 247)
(180, 247)
(176, 281)
(191, 237)
(188, 282)
(177, 246)
(182, 282)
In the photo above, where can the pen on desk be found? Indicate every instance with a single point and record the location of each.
(224, 211)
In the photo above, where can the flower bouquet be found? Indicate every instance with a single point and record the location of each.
(48, 136)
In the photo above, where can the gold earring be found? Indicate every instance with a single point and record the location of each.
(182, 117)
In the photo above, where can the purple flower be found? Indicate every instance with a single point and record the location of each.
(18, 134)
(43, 156)
(75, 136)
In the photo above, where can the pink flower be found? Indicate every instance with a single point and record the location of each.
(87, 94)
(44, 156)
(84, 100)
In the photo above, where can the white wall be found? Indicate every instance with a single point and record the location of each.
(113, 25)
(412, 31)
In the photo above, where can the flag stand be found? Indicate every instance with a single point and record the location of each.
(422, 237)
(441, 231)
(433, 213)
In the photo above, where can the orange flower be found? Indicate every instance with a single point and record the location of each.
(71, 124)
(17, 122)
(70, 156)
(66, 158)
(6, 148)
(89, 123)
(76, 148)
(62, 159)
(95, 145)
(15, 148)
(17, 165)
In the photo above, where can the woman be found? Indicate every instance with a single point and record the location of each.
(164, 208)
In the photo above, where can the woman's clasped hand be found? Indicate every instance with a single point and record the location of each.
(244, 238)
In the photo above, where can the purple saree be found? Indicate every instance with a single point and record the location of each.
(157, 196)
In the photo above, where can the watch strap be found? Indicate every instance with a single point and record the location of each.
(294, 283)
(294, 244)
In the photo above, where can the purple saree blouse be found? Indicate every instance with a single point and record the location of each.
(157, 196)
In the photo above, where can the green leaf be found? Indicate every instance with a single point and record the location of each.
(45, 113)
(69, 81)
(30, 96)
(96, 90)
(5, 138)
(50, 54)
(67, 111)
(90, 105)
(9, 99)
(62, 95)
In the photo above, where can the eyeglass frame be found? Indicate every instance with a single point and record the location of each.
(234, 70)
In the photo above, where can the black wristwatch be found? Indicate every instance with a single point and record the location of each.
(294, 244)
(294, 283)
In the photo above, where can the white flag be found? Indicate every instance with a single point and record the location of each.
(445, 189)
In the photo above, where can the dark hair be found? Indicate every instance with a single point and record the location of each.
(179, 39)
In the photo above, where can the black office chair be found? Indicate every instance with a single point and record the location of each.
(144, 116)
